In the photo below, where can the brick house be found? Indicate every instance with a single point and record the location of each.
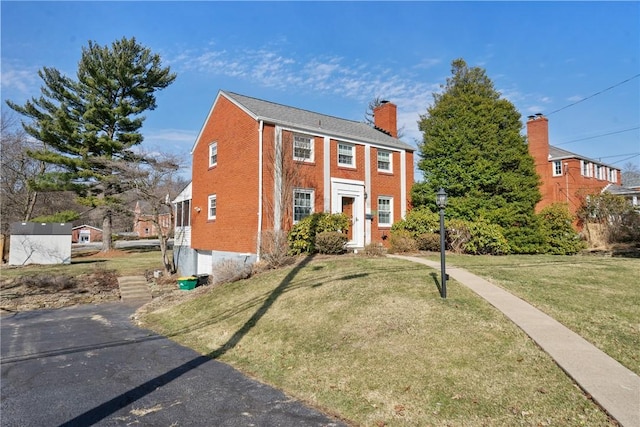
(260, 166)
(565, 177)
(143, 225)
(85, 234)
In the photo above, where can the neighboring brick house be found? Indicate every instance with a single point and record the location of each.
(85, 234)
(143, 225)
(565, 177)
(260, 166)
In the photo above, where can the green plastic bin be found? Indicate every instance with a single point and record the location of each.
(187, 283)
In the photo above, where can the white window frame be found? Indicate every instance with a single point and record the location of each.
(352, 148)
(555, 165)
(613, 175)
(599, 171)
(389, 199)
(300, 138)
(213, 154)
(389, 161)
(307, 191)
(212, 207)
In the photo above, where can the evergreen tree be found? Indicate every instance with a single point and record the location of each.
(472, 147)
(90, 126)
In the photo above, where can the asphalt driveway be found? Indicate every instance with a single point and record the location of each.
(89, 365)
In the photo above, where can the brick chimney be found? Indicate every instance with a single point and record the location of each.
(385, 117)
(538, 138)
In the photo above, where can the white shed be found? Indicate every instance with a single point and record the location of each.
(35, 243)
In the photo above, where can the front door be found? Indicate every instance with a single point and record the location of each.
(347, 209)
(347, 196)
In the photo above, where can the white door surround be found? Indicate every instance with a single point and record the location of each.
(351, 191)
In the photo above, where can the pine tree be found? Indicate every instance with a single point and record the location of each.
(90, 126)
(472, 147)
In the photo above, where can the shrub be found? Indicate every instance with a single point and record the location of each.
(374, 249)
(428, 242)
(560, 237)
(486, 239)
(457, 235)
(274, 249)
(331, 242)
(302, 236)
(476, 238)
(418, 221)
(402, 241)
(230, 270)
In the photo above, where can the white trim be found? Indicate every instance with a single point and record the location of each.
(403, 184)
(260, 185)
(353, 154)
(554, 171)
(312, 157)
(211, 198)
(390, 154)
(211, 145)
(390, 199)
(326, 174)
(354, 189)
(312, 193)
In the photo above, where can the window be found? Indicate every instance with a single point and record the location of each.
(346, 155)
(385, 211)
(612, 175)
(183, 213)
(599, 171)
(384, 161)
(213, 154)
(303, 148)
(213, 207)
(302, 204)
(557, 168)
(584, 168)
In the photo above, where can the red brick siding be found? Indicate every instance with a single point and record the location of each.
(234, 181)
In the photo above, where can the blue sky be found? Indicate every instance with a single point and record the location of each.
(334, 57)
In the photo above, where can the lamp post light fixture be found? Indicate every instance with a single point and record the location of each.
(441, 201)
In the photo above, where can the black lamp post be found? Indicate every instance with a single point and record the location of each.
(441, 201)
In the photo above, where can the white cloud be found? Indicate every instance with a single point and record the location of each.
(23, 80)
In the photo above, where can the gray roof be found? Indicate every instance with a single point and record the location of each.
(40, 229)
(556, 153)
(314, 122)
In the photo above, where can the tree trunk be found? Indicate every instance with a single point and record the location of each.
(107, 242)
(167, 259)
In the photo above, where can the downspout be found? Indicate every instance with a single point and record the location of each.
(260, 155)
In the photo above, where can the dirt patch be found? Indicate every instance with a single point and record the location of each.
(46, 291)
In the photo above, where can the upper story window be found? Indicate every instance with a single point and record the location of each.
(557, 168)
(212, 207)
(213, 154)
(384, 161)
(303, 148)
(599, 172)
(302, 203)
(385, 211)
(612, 175)
(585, 168)
(346, 155)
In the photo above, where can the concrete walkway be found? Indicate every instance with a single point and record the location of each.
(134, 289)
(614, 387)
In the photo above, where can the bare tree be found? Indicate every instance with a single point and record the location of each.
(630, 175)
(18, 170)
(156, 183)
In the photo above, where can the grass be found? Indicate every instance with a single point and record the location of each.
(132, 261)
(596, 297)
(371, 341)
